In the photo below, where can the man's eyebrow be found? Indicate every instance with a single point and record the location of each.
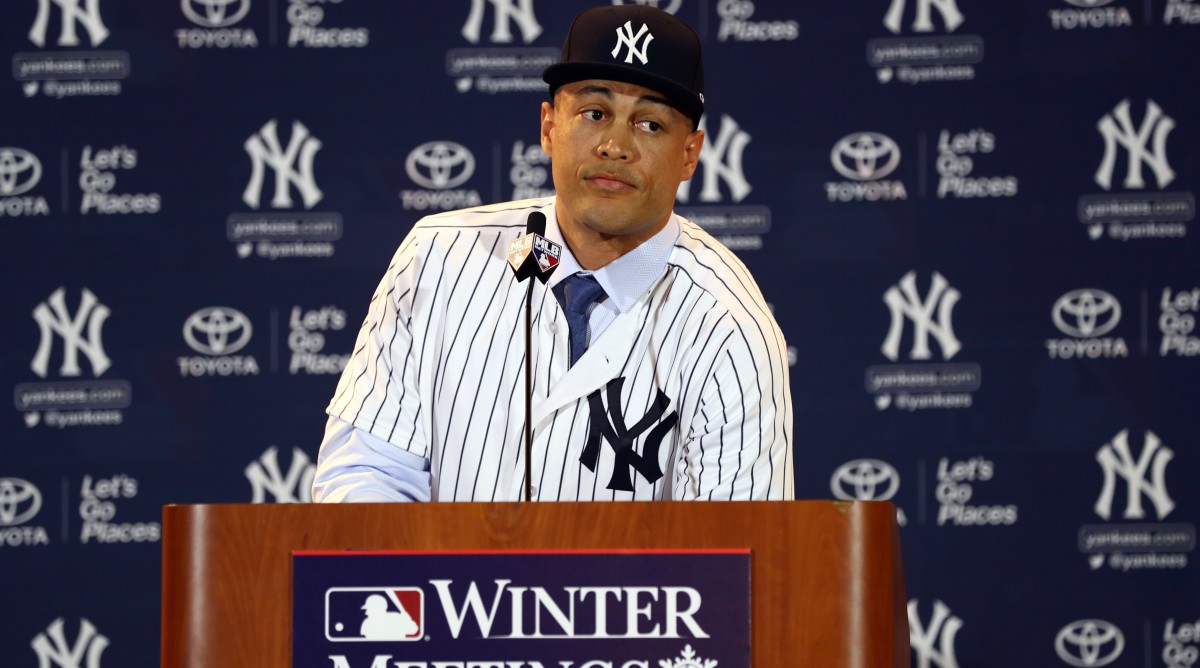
(606, 92)
(595, 89)
(656, 99)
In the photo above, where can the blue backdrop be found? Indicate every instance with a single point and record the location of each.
(975, 222)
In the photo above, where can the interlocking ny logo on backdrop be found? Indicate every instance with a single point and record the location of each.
(20, 171)
(721, 160)
(215, 13)
(1089, 643)
(1146, 476)
(1086, 313)
(629, 39)
(293, 167)
(951, 17)
(1117, 128)
(52, 648)
(266, 477)
(943, 626)
(53, 318)
(87, 16)
(903, 302)
(507, 12)
(609, 425)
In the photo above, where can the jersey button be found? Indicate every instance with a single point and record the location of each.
(554, 328)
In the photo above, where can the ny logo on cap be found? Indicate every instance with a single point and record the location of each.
(626, 36)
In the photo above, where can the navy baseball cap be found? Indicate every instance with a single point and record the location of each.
(635, 44)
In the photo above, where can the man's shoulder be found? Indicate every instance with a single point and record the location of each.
(711, 265)
(499, 215)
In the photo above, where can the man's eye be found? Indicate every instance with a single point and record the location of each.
(652, 126)
(593, 115)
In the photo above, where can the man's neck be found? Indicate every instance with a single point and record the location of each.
(593, 250)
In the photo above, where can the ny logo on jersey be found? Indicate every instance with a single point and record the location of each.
(52, 318)
(71, 14)
(721, 159)
(610, 426)
(266, 477)
(629, 39)
(951, 17)
(1117, 128)
(264, 149)
(922, 639)
(52, 649)
(1116, 459)
(507, 12)
(904, 302)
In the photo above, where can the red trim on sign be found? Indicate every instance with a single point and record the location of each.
(345, 553)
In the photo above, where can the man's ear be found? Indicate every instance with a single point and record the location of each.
(691, 154)
(547, 126)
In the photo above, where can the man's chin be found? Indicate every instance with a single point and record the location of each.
(606, 218)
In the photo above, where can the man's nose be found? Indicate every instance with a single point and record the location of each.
(614, 148)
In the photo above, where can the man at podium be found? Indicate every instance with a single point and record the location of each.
(657, 369)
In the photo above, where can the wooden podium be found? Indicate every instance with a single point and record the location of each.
(827, 584)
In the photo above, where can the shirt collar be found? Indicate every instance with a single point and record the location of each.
(628, 277)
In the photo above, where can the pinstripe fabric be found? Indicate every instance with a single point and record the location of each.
(437, 371)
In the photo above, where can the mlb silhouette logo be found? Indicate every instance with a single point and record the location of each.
(374, 614)
(547, 258)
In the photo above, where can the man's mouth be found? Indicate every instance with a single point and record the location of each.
(610, 181)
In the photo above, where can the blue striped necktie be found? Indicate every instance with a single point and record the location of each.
(578, 293)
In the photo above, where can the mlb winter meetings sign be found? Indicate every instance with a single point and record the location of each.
(577, 609)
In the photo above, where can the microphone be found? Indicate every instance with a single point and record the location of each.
(532, 254)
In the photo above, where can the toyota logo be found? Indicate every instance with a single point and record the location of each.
(1088, 4)
(216, 13)
(20, 501)
(439, 165)
(217, 330)
(865, 480)
(20, 171)
(865, 156)
(1086, 313)
(1089, 643)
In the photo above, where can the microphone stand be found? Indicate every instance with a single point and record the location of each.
(529, 392)
(531, 255)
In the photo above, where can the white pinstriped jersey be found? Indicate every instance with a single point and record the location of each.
(684, 396)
